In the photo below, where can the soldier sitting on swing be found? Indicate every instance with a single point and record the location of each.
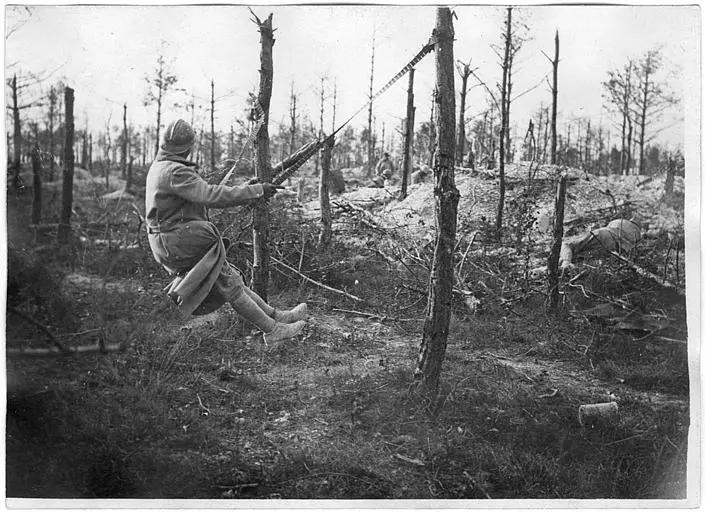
(190, 247)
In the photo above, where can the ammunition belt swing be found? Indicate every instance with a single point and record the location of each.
(286, 168)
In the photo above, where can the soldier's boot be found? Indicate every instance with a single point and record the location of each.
(273, 331)
(286, 316)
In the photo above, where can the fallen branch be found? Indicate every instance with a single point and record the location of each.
(645, 273)
(317, 283)
(41, 326)
(69, 351)
(374, 315)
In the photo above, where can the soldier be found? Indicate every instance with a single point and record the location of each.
(190, 247)
(383, 170)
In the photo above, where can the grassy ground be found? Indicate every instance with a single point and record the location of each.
(207, 411)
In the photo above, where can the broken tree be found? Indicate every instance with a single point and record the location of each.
(438, 308)
(408, 156)
(263, 169)
(67, 191)
(323, 193)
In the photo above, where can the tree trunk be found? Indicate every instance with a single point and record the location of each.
(509, 157)
(123, 148)
(260, 227)
(370, 139)
(438, 308)
(212, 125)
(17, 133)
(503, 127)
(159, 119)
(554, 112)
(670, 175)
(629, 146)
(460, 149)
(408, 155)
(553, 272)
(90, 152)
(292, 117)
(67, 191)
(642, 127)
(52, 107)
(84, 149)
(37, 186)
(128, 182)
(432, 130)
(324, 195)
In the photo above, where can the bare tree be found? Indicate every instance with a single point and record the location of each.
(37, 185)
(618, 91)
(292, 118)
(651, 98)
(554, 96)
(553, 275)
(159, 84)
(123, 146)
(324, 195)
(212, 125)
(370, 137)
(464, 72)
(504, 112)
(438, 309)
(408, 156)
(263, 166)
(67, 189)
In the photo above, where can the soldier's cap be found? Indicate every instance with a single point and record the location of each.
(178, 137)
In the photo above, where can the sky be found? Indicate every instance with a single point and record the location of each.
(105, 53)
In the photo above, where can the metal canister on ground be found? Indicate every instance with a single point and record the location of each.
(605, 413)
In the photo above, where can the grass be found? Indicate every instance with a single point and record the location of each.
(210, 413)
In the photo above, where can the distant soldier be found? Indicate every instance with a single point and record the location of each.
(384, 170)
(190, 247)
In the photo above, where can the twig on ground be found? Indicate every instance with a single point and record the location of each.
(549, 395)
(317, 283)
(53, 351)
(200, 403)
(375, 315)
(41, 326)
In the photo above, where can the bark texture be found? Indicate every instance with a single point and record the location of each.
(554, 92)
(554, 255)
(67, 191)
(408, 156)
(324, 194)
(438, 309)
(37, 186)
(260, 227)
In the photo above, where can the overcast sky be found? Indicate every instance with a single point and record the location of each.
(106, 51)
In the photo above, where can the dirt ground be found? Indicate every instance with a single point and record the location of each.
(203, 409)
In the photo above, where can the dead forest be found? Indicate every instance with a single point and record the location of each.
(501, 316)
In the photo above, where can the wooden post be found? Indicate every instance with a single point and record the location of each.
(324, 195)
(37, 185)
(408, 156)
(554, 93)
(438, 308)
(553, 273)
(263, 168)
(67, 191)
